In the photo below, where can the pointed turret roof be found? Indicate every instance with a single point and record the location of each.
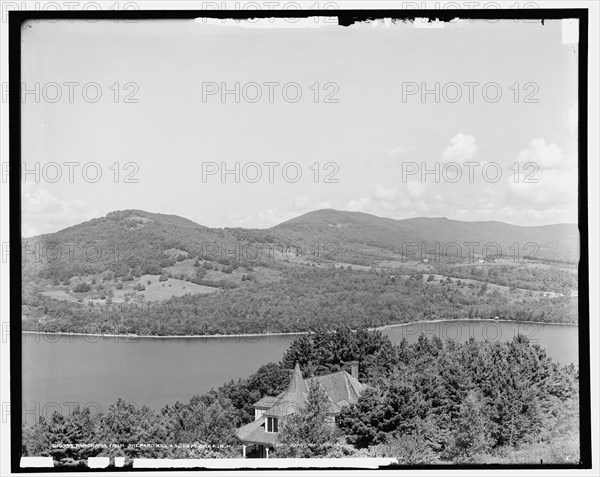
(297, 383)
(292, 398)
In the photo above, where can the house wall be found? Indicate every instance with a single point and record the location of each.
(258, 413)
(330, 420)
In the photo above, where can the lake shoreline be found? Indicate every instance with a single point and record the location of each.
(259, 335)
(385, 327)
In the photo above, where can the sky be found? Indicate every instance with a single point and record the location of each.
(360, 133)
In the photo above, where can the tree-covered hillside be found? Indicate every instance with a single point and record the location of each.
(430, 402)
(306, 299)
(359, 232)
(138, 242)
(143, 273)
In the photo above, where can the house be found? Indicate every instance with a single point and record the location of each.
(262, 434)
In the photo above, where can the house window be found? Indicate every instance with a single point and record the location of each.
(272, 424)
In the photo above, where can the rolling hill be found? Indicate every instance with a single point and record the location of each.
(139, 272)
(120, 242)
(360, 231)
(139, 242)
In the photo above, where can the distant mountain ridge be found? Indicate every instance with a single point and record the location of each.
(118, 242)
(358, 238)
(548, 241)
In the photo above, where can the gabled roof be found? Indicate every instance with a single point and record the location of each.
(341, 388)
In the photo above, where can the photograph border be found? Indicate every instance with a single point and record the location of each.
(344, 18)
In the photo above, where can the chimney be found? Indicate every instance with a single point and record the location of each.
(354, 368)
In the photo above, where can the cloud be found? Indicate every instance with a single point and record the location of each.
(552, 187)
(416, 190)
(304, 203)
(546, 156)
(395, 155)
(382, 193)
(360, 205)
(552, 199)
(549, 183)
(463, 147)
(526, 216)
(398, 151)
(391, 201)
(273, 216)
(43, 212)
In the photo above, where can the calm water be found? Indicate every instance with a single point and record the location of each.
(95, 371)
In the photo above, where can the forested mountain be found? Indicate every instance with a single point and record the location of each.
(119, 242)
(551, 242)
(134, 239)
(144, 273)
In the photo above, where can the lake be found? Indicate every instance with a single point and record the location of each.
(60, 370)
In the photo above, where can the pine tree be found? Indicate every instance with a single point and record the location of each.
(471, 435)
(308, 432)
(413, 448)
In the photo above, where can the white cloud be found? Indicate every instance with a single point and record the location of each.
(273, 216)
(382, 193)
(392, 202)
(395, 155)
(528, 216)
(463, 147)
(360, 205)
(416, 190)
(43, 212)
(264, 219)
(549, 190)
(553, 187)
(398, 151)
(304, 203)
(553, 199)
(546, 156)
